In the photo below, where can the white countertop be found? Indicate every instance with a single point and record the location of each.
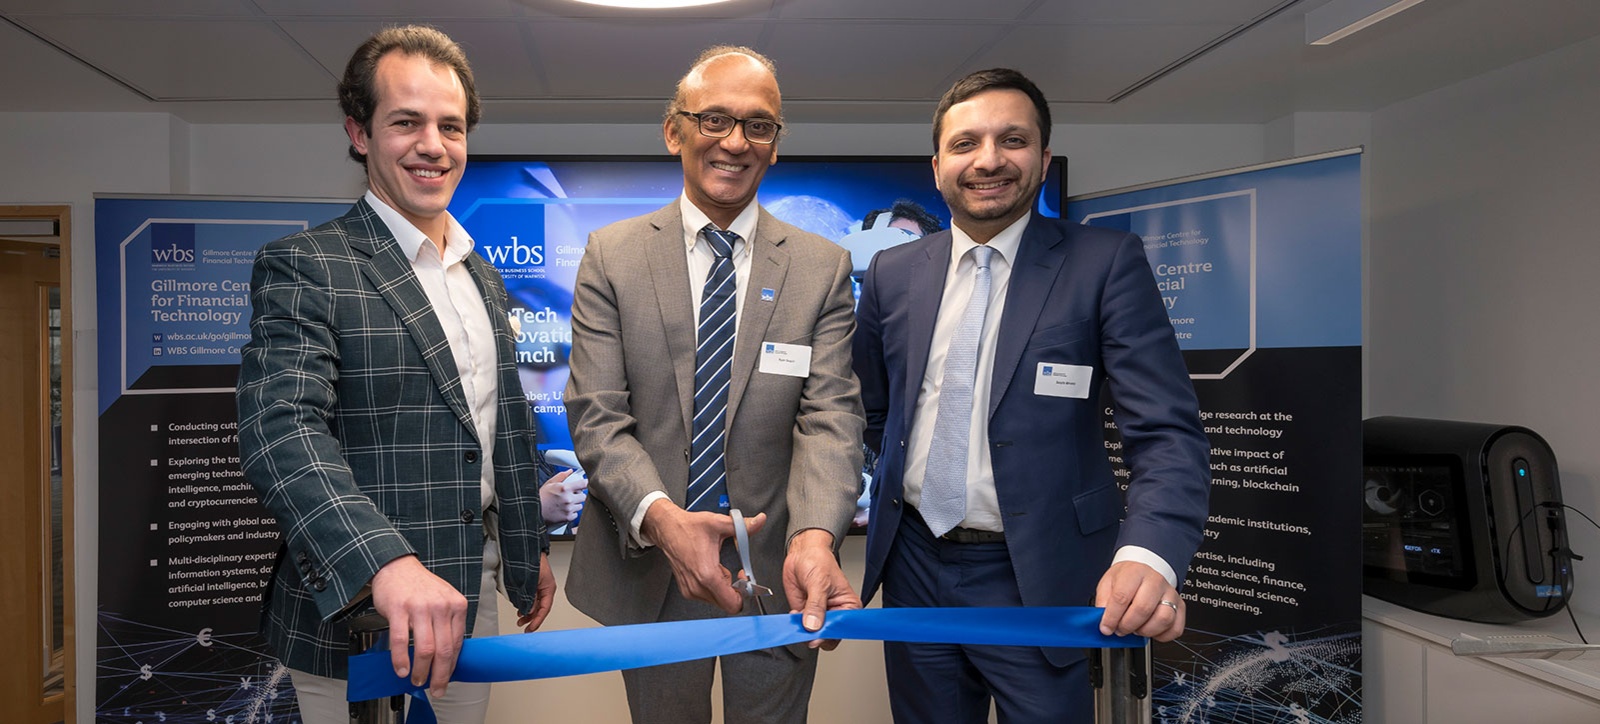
(1581, 676)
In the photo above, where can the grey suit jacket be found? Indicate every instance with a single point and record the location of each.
(354, 428)
(793, 447)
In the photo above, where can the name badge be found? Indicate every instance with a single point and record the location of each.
(1059, 380)
(793, 360)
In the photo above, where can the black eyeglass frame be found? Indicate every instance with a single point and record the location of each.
(777, 128)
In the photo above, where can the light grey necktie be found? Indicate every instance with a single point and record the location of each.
(944, 484)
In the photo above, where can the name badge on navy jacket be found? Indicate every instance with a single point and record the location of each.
(1059, 380)
(792, 360)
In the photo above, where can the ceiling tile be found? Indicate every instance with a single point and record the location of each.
(418, 10)
(585, 58)
(1091, 64)
(747, 9)
(1157, 12)
(164, 8)
(911, 11)
(54, 81)
(499, 56)
(873, 61)
(433, 10)
(190, 58)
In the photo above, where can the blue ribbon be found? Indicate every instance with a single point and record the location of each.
(551, 654)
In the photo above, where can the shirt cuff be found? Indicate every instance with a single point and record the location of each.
(1146, 556)
(636, 523)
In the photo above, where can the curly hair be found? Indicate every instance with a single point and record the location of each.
(358, 92)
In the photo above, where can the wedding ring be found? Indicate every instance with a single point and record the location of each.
(1174, 606)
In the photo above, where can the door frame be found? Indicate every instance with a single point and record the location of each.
(63, 215)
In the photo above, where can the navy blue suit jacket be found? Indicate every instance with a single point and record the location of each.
(1078, 296)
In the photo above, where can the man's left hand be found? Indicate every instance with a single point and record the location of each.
(543, 598)
(1133, 595)
(813, 582)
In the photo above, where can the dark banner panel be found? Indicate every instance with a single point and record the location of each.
(185, 546)
(1261, 273)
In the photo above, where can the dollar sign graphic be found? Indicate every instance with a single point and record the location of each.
(144, 673)
(1275, 642)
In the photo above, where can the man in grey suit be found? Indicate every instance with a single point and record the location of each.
(380, 412)
(711, 369)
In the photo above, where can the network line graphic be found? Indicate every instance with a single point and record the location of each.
(150, 674)
(1264, 677)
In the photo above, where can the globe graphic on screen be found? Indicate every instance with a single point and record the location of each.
(816, 215)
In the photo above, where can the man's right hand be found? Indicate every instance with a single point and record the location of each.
(692, 543)
(422, 606)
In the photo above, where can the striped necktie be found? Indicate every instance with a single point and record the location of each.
(944, 485)
(713, 361)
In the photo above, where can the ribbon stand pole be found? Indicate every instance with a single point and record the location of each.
(367, 633)
(1121, 680)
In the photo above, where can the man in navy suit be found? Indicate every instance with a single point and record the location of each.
(982, 351)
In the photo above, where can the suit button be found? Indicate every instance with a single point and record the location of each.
(303, 557)
(895, 502)
(471, 456)
(467, 516)
(305, 566)
(320, 584)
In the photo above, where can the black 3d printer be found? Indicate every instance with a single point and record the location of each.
(1464, 520)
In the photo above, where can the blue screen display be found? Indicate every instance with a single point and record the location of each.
(531, 218)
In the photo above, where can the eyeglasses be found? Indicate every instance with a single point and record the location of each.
(720, 125)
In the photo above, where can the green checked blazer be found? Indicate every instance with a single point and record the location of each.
(354, 428)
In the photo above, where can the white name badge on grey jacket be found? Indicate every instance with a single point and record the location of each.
(792, 360)
(1059, 380)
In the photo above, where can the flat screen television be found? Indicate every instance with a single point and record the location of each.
(531, 217)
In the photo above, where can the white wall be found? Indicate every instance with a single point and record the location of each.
(1483, 264)
(70, 157)
(66, 158)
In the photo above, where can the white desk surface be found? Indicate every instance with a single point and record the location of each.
(1581, 676)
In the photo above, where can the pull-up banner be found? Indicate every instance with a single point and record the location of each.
(1260, 269)
(185, 548)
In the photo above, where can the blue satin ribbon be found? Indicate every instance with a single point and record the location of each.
(551, 654)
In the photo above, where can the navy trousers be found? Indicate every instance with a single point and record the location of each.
(938, 683)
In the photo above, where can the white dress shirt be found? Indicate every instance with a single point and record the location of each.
(458, 303)
(983, 505)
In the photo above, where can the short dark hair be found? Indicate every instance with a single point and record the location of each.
(988, 80)
(358, 92)
(677, 103)
(906, 209)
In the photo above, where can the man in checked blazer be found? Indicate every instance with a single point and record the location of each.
(380, 412)
(648, 549)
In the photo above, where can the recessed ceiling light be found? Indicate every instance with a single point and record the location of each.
(651, 4)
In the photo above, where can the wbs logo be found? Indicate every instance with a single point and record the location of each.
(515, 253)
(172, 245)
(517, 259)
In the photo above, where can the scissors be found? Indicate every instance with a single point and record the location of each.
(747, 585)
